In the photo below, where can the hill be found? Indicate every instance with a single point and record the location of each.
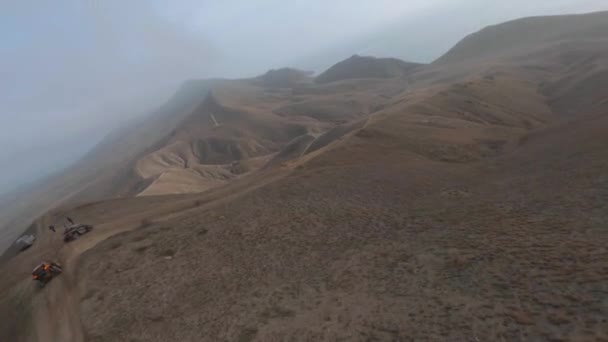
(565, 56)
(463, 200)
(525, 36)
(366, 67)
(283, 78)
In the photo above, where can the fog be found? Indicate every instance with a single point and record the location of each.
(73, 70)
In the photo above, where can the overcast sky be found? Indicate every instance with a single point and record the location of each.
(71, 70)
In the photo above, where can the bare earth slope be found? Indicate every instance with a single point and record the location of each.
(242, 125)
(465, 201)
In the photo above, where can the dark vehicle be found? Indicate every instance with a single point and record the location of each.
(46, 271)
(75, 231)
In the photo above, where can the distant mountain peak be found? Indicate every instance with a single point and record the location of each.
(283, 78)
(358, 66)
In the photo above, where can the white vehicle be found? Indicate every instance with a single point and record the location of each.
(25, 241)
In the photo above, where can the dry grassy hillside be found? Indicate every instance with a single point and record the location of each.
(464, 201)
(564, 55)
(357, 245)
(523, 36)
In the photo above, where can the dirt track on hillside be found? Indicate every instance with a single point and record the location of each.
(54, 309)
(53, 312)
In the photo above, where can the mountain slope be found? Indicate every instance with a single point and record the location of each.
(241, 125)
(565, 56)
(462, 201)
(360, 243)
(523, 36)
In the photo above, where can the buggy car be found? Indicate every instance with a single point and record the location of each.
(46, 271)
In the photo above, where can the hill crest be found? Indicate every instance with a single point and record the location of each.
(359, 67)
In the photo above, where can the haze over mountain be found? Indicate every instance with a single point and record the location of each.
(74, 71)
